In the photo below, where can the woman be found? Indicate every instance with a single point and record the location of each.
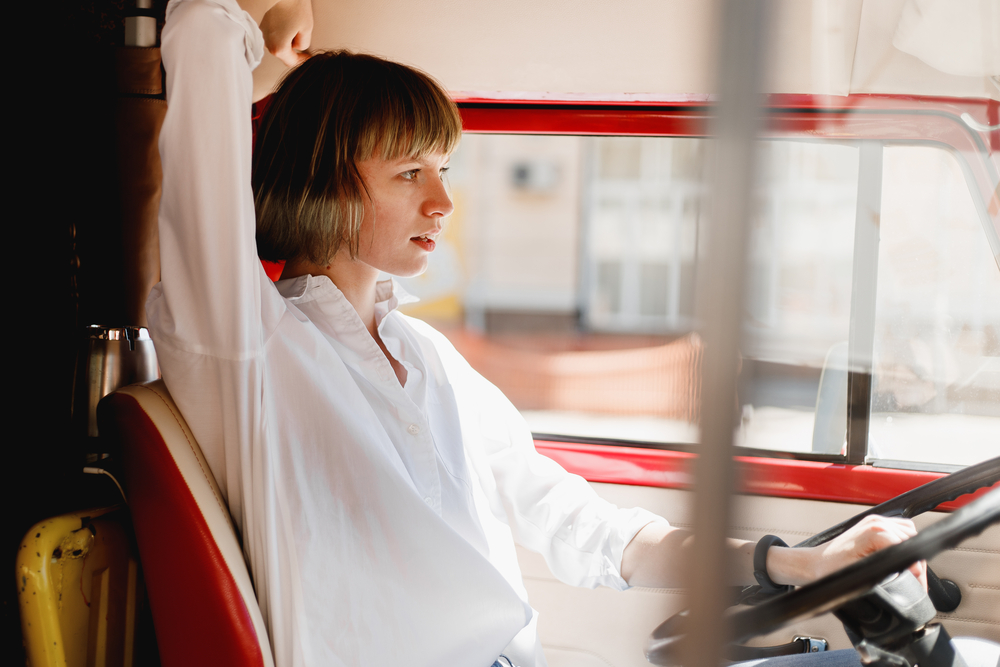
(377, 481)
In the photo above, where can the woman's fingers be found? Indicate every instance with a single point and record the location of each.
(878, 532)
(871, 534)
(919, 570)
(292, 57)
(904, 530)
(287, 29)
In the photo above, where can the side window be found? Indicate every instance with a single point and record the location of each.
(642, 201)
(936, 390)
(798, 299)
(567, 277)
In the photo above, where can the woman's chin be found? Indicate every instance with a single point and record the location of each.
(409, 272)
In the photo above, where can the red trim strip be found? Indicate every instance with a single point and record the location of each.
(887, 117)
(549, 120)
(981, 109)
(687, 117)
(782, 478)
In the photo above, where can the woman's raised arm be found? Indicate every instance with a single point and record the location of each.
(209, 300)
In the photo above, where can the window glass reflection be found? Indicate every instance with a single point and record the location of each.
(936, 394)
(567, 276)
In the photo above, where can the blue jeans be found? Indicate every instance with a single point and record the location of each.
(843, 658)
(847, 657)
(976, 653)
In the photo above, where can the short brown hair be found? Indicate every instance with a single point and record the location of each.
(327, 114)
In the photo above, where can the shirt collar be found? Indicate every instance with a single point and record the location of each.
(389, 294)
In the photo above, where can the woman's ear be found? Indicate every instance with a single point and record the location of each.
(287, 29)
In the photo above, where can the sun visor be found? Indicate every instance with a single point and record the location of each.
(960, 38)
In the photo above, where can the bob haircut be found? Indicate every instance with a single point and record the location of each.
(334, 110)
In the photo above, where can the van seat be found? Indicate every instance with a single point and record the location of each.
(200, 593)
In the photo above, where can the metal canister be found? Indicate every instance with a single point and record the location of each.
(109, 358)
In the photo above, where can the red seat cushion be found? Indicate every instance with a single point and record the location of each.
(198, 611)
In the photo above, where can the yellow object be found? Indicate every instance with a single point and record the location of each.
(445, 309)
(78, 590)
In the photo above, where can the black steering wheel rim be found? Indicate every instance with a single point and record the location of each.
(857, 579)
(921, 499)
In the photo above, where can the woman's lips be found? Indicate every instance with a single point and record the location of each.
(425, 242)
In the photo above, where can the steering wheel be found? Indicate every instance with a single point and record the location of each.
(857, 579)
(943, 593)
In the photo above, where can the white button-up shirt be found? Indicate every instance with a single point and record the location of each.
(378, 520)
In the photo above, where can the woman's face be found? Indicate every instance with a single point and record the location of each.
(408, 204)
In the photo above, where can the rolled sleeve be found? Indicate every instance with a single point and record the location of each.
(629, 523)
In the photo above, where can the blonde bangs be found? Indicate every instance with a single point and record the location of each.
(413, 119)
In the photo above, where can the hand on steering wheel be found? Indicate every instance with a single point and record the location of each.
(855, 580)
(803, 565)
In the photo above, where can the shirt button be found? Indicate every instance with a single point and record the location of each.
(427, 500)
(413, 429)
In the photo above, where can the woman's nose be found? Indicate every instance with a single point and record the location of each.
(438, 203)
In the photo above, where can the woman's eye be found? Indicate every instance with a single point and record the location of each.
(444, 172)
(411, 174)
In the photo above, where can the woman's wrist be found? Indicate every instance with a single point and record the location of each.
(786, 565)
(256, 8)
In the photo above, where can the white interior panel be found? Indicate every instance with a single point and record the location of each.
(647, 48)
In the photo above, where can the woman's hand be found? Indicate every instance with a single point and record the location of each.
(287, 28)
(871, 534)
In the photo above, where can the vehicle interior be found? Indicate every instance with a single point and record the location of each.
(643, 188)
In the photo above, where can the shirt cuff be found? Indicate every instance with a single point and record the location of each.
(631, 523)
